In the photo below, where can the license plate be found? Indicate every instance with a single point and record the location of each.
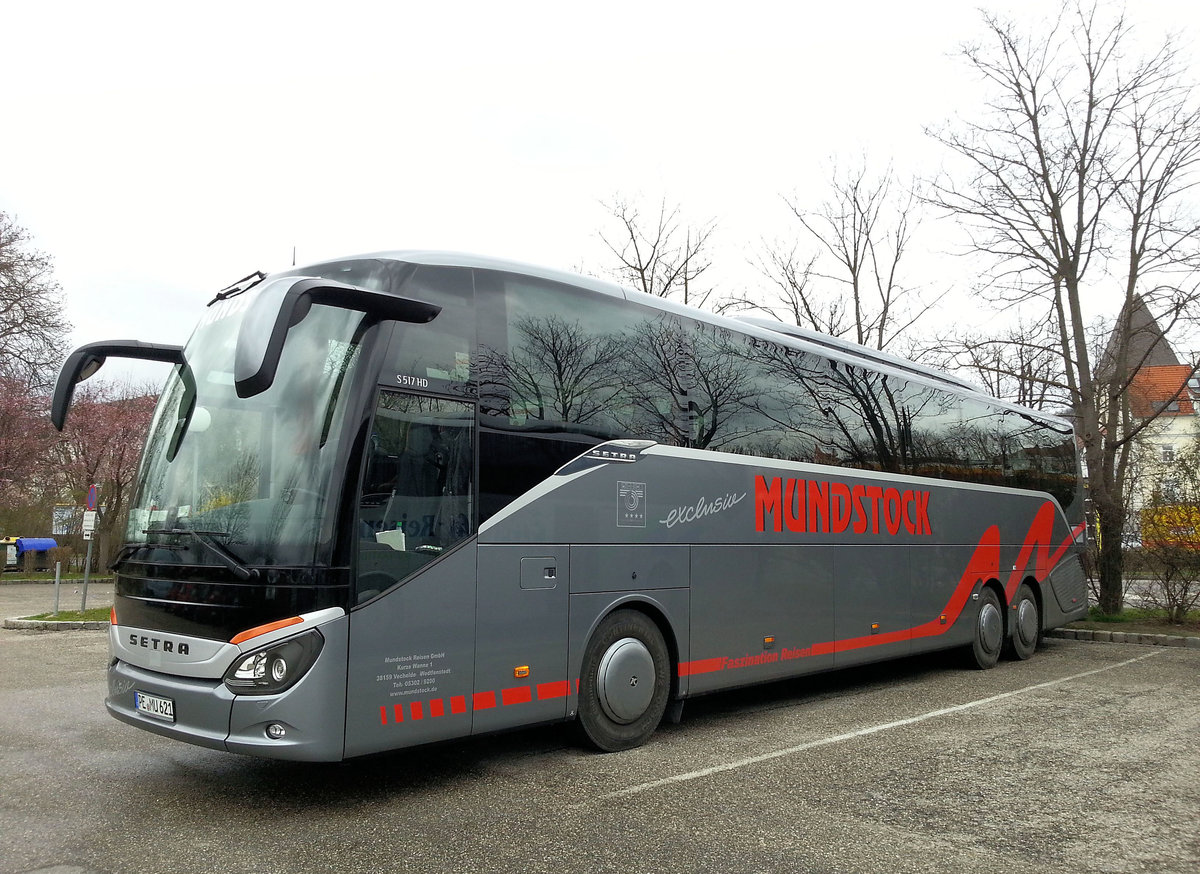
(155, 706)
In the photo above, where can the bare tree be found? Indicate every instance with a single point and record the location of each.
(661, 256)
(795, 298)
(1078, 173)
(852, 286)
(1022, 364)
(32, 325)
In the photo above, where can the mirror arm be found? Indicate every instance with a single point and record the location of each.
(299, 299)
(87, 359)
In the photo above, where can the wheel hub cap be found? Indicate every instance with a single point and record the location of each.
(625, 680)
(1027, 622)
(991, 627)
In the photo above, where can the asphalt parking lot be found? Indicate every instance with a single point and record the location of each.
(1084, 758)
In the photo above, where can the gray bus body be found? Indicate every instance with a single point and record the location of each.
(452, 495)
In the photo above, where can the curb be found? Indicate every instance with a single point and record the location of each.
(1124, 637)
(51, 625)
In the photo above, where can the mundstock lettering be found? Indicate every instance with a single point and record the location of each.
(830, 507)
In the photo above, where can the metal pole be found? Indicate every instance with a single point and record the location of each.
(57, 580)
(87, 567)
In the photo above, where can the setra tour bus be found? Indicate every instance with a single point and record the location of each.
(412, 496)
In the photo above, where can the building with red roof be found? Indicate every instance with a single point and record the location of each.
(1163, 500)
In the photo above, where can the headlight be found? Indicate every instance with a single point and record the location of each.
(274, 668)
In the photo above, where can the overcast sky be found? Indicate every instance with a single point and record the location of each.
(159, 152)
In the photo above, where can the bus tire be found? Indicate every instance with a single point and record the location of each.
(1026, 625)
(988, 638)
(625, 682)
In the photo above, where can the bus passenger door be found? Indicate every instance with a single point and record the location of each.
(520, 636)
(412, 626)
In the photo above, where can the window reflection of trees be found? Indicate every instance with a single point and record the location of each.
(657, 369)
(614, 372)
(723, 393)
(687, 386)
(658, 379)
(838, 413)
(555, 371)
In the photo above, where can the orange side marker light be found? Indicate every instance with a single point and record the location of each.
(259, 630)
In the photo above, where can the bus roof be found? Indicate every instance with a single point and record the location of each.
(461, 259)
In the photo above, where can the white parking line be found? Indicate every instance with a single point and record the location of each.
(851, 735)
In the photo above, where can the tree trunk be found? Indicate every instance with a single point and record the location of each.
(1112, 583)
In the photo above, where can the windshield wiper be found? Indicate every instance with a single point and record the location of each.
(244, 284)
(205, 539)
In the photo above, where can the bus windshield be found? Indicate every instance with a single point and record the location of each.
(246, 479)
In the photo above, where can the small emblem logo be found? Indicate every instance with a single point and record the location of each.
(631, 505)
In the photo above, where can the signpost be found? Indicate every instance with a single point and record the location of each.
(89, 525)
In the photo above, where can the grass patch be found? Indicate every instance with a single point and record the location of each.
(1140, 620)
(95, 614)
(48, 577)
(1136, 614)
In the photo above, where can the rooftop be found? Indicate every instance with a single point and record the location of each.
(1159, 388)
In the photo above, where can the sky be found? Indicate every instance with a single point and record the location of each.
(159, 152)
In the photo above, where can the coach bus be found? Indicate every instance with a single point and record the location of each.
(406, 497)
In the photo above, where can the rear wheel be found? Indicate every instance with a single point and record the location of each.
(1026, 625)
(989, 631)
(625, 682)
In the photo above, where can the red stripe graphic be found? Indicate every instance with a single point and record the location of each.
(560, 689)
(516, 695)
(703, 666)
(983, 565)
(1038, 538)
(480, 701)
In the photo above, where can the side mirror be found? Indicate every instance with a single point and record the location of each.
(285, 302)
(86, 360)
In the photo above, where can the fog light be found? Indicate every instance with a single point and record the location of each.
(275, 731)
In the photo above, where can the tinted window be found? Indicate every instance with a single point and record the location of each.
(561, 370)
(1038, 457)
(574, 367)
(436, 356)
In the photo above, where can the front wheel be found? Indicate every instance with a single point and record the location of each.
(625, 682)
(988, 640)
